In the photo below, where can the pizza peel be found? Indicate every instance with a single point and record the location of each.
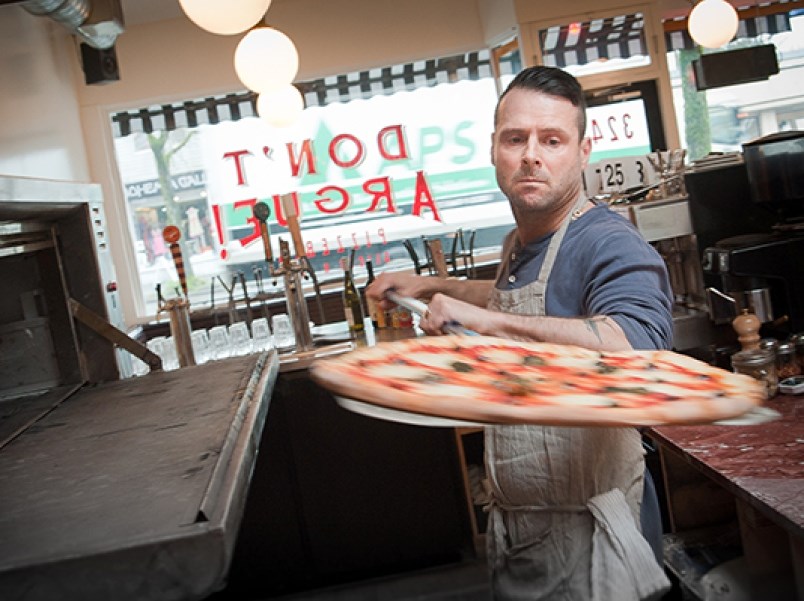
(431, 409)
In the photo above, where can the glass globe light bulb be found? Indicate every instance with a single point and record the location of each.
(225, 18)
(280, 107)
(266, 59)
(712, 23)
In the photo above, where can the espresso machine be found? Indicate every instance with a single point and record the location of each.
(760, 269)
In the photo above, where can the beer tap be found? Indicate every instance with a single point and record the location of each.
(292, 271)
(178, 308)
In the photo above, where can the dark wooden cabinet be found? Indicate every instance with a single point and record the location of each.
(339, 497)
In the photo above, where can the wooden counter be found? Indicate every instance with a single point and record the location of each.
(133, 489)
(752, 476)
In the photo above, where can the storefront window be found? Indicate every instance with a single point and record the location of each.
(596, 46)
(720, 120)
(377, 158)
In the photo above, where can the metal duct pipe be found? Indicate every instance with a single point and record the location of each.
(97, 22)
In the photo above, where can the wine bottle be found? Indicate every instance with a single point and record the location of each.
(352, 307)
(376, 314)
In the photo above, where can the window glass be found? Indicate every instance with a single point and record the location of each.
(722, 119)
(596, 46)
(366, 174)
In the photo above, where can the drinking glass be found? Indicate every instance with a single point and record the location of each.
(239, 339)
(139, 367)
(220, 347)
(201, 346)
(170, 358)
(261, 335)
(284, 338)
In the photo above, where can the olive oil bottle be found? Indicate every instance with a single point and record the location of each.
(352, 307)
(376, 314)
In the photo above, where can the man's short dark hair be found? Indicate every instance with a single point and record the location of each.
(552, 81)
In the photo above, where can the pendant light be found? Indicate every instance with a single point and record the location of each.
(281, 106)
(713, 23)
(225, 18)
(266, 59)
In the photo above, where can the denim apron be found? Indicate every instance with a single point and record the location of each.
(564, 509)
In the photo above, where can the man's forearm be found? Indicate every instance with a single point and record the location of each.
(598, 332)
(474, 292)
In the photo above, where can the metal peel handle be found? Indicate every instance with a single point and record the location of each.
(419, 308)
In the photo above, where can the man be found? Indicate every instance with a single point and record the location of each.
(565, 510)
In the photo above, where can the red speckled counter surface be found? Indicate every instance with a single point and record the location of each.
(763, 465)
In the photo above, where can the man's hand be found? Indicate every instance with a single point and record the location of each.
(404, 284)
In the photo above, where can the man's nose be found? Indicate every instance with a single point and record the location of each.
(530, 153)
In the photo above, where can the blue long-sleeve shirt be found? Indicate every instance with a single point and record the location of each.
(604, 267)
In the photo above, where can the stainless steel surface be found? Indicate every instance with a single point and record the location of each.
(180, 330)
(667, 225)
(57, 249)
(133, 490)
(691, 328)
(402, 417)
(97, 22)
(724, 307)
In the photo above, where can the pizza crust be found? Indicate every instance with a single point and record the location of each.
(500, 381)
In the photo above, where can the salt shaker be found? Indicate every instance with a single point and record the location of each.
(786, 362)
(758, 364)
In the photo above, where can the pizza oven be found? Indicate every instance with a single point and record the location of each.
(54, 256)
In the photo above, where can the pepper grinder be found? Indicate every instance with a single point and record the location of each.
(747, 327)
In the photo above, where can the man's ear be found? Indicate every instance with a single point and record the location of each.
(491, 150)
(586, 151)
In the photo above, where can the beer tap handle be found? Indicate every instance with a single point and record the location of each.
(308, 269)
(262, 212)
(292, 219)
(172, 235)
(284, 253)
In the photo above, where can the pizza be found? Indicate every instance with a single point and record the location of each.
(494, 380)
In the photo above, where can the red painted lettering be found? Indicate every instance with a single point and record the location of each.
(401, 145)
(306, 154)
(255, 224)
(321, 206)
(238, 155)
(218, 219)
(360, 151)
(382, 192)
(423, 198)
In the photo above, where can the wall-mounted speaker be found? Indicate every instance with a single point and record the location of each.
(732, 67)
(100, 66)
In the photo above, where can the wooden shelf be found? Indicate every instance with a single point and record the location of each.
(476, 521)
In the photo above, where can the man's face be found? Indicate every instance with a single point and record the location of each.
(537, 152)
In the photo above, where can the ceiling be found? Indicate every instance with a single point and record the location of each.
(136, 12)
